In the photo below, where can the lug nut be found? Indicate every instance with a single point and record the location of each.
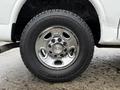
(65, 49)
(49, 46)
(64, 43)
(50, 51)
(53, 40)
(62, 55)
(59, 39)
(55, 55)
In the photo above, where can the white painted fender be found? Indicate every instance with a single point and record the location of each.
(16, 10)
(98, 5)
(6, 29)
(108, 14)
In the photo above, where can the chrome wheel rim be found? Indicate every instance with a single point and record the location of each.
(57, 47)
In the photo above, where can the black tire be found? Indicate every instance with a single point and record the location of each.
(45, 20)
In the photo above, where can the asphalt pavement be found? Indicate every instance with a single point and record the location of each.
(102, 74)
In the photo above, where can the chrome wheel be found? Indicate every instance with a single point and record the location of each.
(57, 47)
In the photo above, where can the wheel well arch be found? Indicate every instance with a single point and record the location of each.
(84, 8)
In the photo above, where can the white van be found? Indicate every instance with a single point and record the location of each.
(57, 37)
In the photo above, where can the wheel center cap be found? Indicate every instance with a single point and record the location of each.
(57, 48)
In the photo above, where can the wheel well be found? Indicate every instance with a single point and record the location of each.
(81, 7)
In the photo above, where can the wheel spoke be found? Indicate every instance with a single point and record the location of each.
(72, 42)
(57, 32)
(49, 61)
(42, 42)
(67, 60)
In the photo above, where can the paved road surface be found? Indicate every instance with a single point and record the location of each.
(102, 74)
